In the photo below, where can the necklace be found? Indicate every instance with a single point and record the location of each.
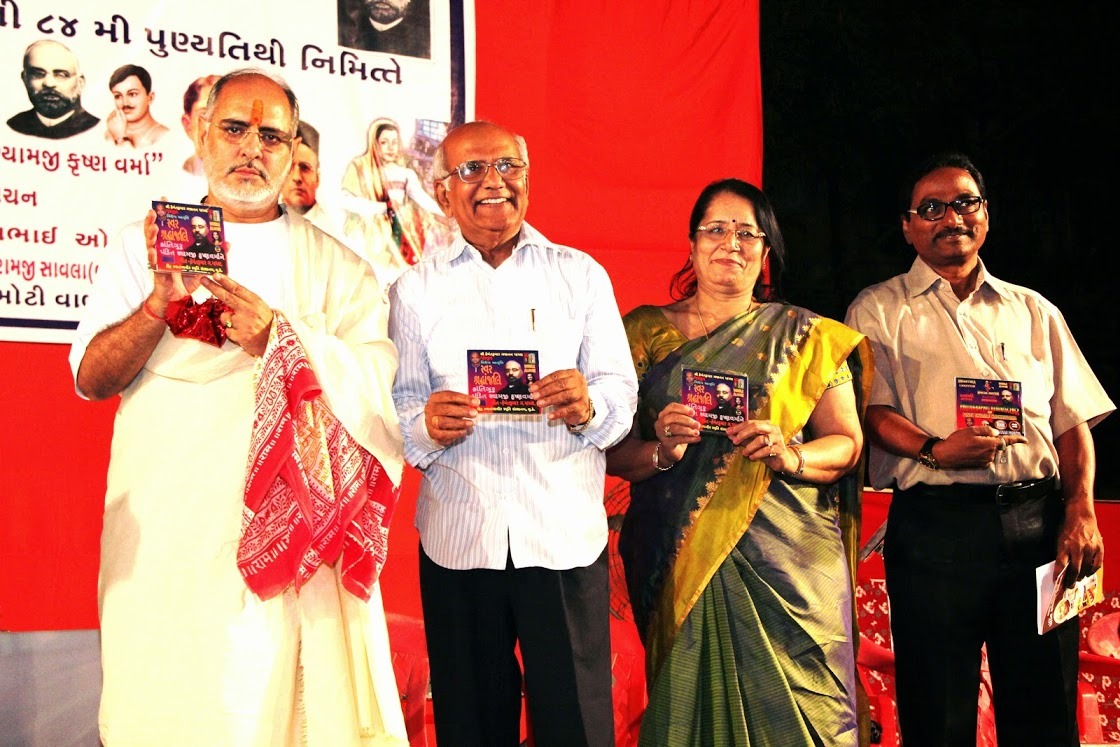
(696, 308)
(707, 333)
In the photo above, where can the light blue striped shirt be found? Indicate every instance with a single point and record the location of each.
(516, 483)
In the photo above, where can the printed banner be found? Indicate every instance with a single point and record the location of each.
(104, 101)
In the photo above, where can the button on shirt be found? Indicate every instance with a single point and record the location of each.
(517, 485)
(924, 337)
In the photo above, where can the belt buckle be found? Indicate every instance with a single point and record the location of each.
(1005, 491)
(1018, 488)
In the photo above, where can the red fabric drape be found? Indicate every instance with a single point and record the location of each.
(629, 109)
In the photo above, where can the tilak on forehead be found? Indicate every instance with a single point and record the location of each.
(257, 114)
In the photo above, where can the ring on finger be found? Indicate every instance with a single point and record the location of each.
(668, 432)
(435, 422)
(228, 324)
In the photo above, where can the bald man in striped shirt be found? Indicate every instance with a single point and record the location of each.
(513, 531)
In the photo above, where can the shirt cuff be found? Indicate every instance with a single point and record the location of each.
(424, 448)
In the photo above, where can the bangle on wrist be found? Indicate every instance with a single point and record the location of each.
(657, 459)
(590, 416)
(800, 459)
(151, 313)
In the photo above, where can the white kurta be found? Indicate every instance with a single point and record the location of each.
(190, 656)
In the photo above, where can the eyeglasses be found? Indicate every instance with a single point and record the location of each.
(234, 133)
(475, 171)
(720, 231)
(935, 209)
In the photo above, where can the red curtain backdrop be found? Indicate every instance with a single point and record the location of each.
(629, 109)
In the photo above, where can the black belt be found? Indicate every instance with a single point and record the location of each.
(963, 492)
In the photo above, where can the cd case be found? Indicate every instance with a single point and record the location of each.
(189, 238)
(994, 402)
(718, 399)
(500, 379)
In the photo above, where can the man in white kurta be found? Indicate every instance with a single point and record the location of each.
(190, 655)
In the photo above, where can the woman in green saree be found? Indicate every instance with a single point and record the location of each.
(738, 542)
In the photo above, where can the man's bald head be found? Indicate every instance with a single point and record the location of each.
(53, 79)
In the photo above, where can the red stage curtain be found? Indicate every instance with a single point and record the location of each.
(629, 109)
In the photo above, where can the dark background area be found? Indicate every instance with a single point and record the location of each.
(854, 94)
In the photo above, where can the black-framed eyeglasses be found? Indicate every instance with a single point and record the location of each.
(475, 171)
(234, 133)
(935, 209)
(721, 231)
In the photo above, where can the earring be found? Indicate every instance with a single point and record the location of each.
(764, 277)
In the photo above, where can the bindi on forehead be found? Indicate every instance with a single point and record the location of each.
(256, 115)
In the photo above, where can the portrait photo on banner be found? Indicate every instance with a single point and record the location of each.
(105, 102)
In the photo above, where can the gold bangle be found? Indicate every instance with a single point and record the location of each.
(580, 428)
(657, 459)
(800, 459)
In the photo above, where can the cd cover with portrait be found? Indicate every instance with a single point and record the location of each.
(718, 399)
(990, 402)
(500, 379)
(189, 238)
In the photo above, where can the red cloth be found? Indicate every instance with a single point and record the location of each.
(199, 321)
(313, 495)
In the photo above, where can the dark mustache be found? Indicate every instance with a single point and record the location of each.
(249, 164)
(959, 231)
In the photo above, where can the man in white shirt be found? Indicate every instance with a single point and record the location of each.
(229, 613)
(976, 509)
(512, 525)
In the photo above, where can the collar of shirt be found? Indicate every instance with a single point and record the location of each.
(386, 26)
(460, 251)
(921, 278)
(48, 122)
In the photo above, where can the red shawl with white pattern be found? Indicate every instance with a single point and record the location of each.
(313, 494)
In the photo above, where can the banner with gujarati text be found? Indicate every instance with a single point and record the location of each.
(102, 100)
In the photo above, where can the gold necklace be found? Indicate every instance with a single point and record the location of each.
(696, 308)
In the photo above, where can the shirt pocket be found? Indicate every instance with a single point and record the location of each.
(452, 333)
(555, 334)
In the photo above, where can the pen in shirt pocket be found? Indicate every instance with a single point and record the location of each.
(532, 320)
(1002, 352)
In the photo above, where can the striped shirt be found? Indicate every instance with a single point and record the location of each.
(516, 484)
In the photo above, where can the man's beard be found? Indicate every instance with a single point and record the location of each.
(382, 12)
(248, 195)
(52, 104)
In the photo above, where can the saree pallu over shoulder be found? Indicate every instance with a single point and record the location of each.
(789, 355)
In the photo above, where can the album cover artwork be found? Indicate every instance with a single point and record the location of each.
(189, 238)
(990, 402)
(500, 379)
(719, 399)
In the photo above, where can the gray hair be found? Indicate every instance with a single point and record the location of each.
(439, 161)
(216, 90)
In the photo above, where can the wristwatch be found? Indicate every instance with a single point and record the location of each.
(925, 454)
